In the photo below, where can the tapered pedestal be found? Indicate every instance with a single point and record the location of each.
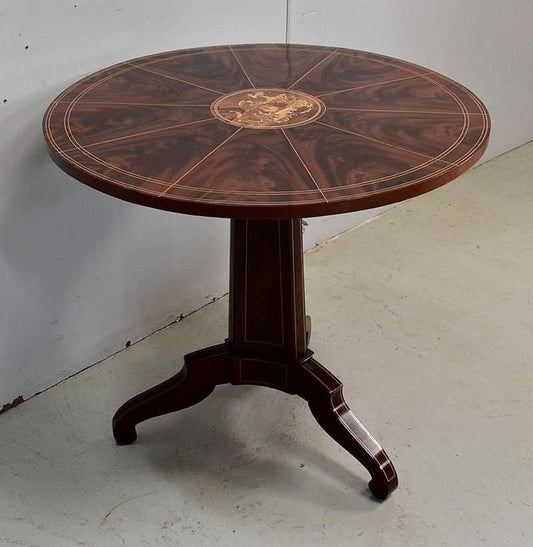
(267, 346)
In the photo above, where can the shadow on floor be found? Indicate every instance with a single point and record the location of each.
(203, 444)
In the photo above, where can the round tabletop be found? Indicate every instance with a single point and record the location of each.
(266, 130)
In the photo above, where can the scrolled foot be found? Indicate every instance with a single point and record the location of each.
(123, 432)
(381, 488)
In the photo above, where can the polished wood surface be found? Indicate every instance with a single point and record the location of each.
(267, 346)
(266, 134)
(266, 131)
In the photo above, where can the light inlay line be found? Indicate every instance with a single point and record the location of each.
(434, 174)
(370, 85)
(149, 132)
(151, 179)
(452, 147)
(466, 118)
(392, 111)
(483, 131)
(303, 163)
(312, 68)
(151, 71)
(461, 160)
(389, 61)
(373, 450)
(361, 135)
(122, 103)
(199, 162)
(213, 201)
(242, 68)
(66, 125)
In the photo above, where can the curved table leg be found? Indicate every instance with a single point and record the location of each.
(323, 392)
(202, 372)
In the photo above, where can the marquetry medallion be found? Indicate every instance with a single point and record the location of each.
(267, 108)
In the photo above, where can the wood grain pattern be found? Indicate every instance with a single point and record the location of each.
(92, 123)
(278, 65)
(144, 131)
(218, 71)
(402, 131)
(265, 134)
(342, 71)
(346, 162)
(266, 346)
(131, 84)
(269, 172)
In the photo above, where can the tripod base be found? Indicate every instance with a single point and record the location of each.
(267, 346)
(205, 369)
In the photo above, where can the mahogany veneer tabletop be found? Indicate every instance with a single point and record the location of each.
(265, 134)
(266, 131)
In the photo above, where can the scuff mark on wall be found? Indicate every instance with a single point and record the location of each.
(15, 402)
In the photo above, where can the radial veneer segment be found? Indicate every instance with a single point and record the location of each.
(161, 156)
(94, 124)
(353, 162)
(341, 72)
(254, 165)
(221, 72)
(400, 94)
(444, 138)
(137, 85)
(277, 65)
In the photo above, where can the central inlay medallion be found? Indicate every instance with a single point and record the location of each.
(267, 108)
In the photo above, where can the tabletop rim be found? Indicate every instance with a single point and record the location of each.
(258, 209)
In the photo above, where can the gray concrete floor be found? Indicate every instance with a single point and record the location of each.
(424, 313)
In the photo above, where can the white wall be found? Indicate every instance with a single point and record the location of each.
(82, 273)
(486, 45)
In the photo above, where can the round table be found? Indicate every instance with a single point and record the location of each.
(265, 134)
